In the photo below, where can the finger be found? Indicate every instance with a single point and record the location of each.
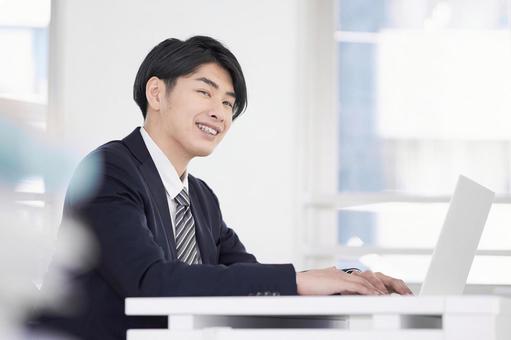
(352, 287)
(395, 285)
(374, 280)
(400, 287)
(369, 282)
(363, 281)
(357, 285)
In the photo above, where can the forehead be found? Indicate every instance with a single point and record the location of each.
(215, 73)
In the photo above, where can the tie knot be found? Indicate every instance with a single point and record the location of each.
(182, 198)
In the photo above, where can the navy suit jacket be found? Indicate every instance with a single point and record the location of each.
(128, 215)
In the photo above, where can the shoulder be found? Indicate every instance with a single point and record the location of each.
(113, 152)
(199, 186)
(110, 161)
(109, 158)
(202, 190)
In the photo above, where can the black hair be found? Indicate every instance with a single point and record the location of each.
(173, 58)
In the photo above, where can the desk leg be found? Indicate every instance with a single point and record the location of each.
(181, 322)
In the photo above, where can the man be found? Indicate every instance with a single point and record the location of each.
(159, 229)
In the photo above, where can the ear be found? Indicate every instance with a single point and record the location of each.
(154, 90)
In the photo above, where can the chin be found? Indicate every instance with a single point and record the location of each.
(202, 152)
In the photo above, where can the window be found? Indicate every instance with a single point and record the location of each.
(422, 96)
(23, 108)
(24, 69)
(24, 58)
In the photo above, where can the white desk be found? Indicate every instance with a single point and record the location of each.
(466, 317)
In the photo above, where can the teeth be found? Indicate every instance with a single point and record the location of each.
(207, 129)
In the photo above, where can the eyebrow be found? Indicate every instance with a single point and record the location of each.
(214, 85)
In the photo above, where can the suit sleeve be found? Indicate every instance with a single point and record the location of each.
(134, 264)
(231, 249)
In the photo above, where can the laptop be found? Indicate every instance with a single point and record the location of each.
(457, 244)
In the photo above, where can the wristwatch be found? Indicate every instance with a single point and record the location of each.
(351, 270)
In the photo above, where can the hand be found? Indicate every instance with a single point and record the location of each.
(331, 280)
(385, 283)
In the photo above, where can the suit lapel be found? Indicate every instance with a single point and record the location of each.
(205, 242)
(159, 199)
(155, 187)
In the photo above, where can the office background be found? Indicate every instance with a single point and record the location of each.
(361, 115)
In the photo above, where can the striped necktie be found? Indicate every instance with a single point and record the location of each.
(186, 244)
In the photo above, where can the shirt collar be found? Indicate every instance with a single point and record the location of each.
(168, 174)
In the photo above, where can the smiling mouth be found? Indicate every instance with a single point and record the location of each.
(207, 129)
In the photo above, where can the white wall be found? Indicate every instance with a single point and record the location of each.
(96, 49)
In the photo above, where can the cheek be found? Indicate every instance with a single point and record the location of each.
(179, 119)
(228, 125)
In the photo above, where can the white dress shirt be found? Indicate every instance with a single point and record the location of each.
(168, 174)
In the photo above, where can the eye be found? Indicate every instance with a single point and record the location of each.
(228, 103)
(204, 93)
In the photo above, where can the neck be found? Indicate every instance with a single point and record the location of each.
(170, 147)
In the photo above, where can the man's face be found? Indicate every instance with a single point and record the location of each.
(197, 112)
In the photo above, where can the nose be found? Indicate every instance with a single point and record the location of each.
(217, 113)
(216, 116)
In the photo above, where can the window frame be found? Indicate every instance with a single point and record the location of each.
(321, 201)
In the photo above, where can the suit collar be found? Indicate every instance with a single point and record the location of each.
(156, 189)
(207, 244)
(168, 174)
(135, 144)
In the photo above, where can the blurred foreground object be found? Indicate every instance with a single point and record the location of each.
(28, 230)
